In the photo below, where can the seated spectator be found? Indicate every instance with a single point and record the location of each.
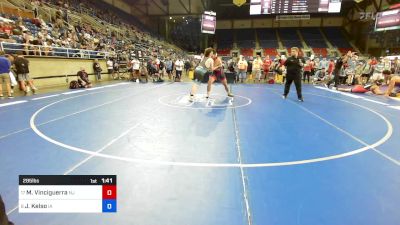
(83, 79)
(144, 73)
(47, 49)
(5, 28)
(320, 75)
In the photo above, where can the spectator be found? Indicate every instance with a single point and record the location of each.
(267, 66)
(22, 68)
(242, 66)
(320, 75)
(116, 69)
(5, 66)
(135, 69)
(169, 67)
(12, 72)
(307, 71)
(323, 64)
(257, 66)
(110, 68)
(35, 7)
(178, 69)
(83, 79)
(187, 67)
(97, 69)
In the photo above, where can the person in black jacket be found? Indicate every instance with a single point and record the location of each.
(3, 216)
(336, 71)
(22, 69)
(294, 65)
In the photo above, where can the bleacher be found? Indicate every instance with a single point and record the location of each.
(224, 52)
(337, 39)
(289, 37)
(125, 34)
(225, 39)
(267, 38)
(320, 52)
(313, 37)
(248, 52)
(272, 52)
(245, 38)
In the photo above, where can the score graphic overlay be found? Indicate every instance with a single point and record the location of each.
(67, 194)
(263, 7)
(387, 20)
(208, 22)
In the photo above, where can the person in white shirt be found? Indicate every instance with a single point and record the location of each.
(178, 69)
(242, 67)
(135, 69)
(110, 67)
(257, 65)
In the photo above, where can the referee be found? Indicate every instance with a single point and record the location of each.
(338, 67)
(3, 215)
(294, 65)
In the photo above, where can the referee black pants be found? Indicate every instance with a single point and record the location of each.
(297, 83)
(3, 215)
(335, 79)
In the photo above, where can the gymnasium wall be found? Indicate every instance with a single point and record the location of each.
(273, 23)
(50, 72)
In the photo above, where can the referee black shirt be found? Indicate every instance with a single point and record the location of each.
(294, 67)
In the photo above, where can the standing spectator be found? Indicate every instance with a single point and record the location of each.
(22, 68)
(266, 66)
(396, 66)
(110, 68)
(187, 67)
(257, 66)
(116, 69)
(387, 64)
(135, 69)
(313, 66)
(97, 69)
(169, 67)
(250, 67)
(5, 66)
(178, 69)
(307, 71)
(162, 68)
(12, 72)
(83, 79)
(35, 8)
(323, 64)
(331, 66)
(242, 66)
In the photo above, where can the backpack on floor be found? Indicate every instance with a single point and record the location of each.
(271, 81)
(73, 84)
